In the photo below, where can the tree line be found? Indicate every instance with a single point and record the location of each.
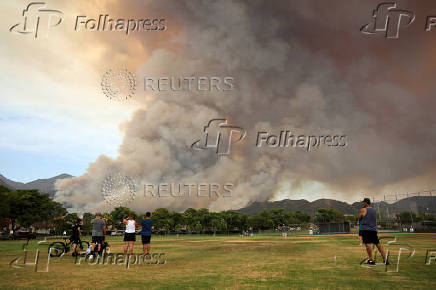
(204, 221)
(25, 208)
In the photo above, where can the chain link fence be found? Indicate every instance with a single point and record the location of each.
(406, 212)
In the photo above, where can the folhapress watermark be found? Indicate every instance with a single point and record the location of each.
(430, 255)
(35, 262)
(105, 22)
(402, 249)
(105, 259)
(119, 259)
(38, 20)
(206, 189)
(285, 139)
(387, 20)
(220, 136)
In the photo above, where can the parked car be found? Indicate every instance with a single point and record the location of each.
(117, 233)
(23, 235)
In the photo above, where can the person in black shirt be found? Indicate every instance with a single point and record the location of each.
(75, 235)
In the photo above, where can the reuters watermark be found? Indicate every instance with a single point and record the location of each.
(118, 189)
(208, 190)
(118, 84)
(189, 83)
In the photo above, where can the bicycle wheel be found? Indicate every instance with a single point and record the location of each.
(56, 249)
(83, 245)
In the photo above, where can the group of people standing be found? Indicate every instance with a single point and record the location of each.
(367, 232)
(99, 233)
(130, 233)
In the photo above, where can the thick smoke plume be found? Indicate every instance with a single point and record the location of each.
(297, 65)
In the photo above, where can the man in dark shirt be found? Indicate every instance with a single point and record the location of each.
(146, 223)
(75, 235)
(368, 222)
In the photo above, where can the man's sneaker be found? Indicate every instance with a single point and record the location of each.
(386, 262)
(371, 262)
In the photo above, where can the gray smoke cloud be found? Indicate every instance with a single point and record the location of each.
(296, 65)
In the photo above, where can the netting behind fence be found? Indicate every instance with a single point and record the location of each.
(406, 211)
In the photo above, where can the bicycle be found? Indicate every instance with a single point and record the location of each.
(56, 249)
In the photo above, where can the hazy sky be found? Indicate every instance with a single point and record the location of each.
(53, 116)
(296, 64)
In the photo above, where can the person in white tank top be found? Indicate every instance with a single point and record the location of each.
(130, 226)
(129, 234)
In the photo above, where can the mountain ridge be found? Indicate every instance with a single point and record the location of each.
(43, 185)
(415, 204)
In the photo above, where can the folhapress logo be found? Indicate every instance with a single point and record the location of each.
(387, 20)
(219, 134)
(37, 20)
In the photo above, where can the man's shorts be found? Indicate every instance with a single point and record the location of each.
(360, 233)
(370, 237)
(74, 240)
(129, 237)
(97, 239)
(145, 239)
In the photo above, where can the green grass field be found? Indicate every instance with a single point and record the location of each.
(221, 262)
